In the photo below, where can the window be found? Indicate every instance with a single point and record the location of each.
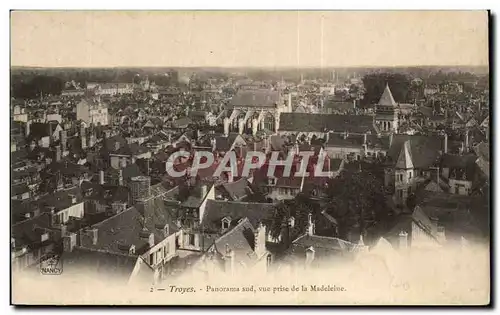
(225, 223)
(191, 239)
(409, 175)
(269, 260)
(151, 259)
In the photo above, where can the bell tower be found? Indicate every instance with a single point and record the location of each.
(386, 112)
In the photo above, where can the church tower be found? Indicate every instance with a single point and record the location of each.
(404, 174)
(386, 112)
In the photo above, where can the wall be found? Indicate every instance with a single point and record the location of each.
(82, 112)
(76, 210)
(465, 189)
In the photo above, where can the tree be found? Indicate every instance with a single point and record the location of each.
(375, 83)
(356, 200)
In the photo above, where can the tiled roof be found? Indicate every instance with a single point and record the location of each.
(339, 140)
(304, 122)
(29, 232)
(424, 150)
(458, 161)
(112, 266)
(240, 240)
(236, 190)
(216, 210)
(119, 232)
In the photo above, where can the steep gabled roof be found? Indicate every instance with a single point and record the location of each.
(387, 99)
(404, 159)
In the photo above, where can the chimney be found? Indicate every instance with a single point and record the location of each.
(229, 260)
(403, 240)
(203, 190)
(69, 242)
(364, 138)
(28, 124)
(241, 126)
(260, 240)
(434, 225)
(151, 240)
(445, 143)
(354, 103)
(94, 234)
(441, 235)
(226, 126)
(101, 177)
(391, 137)
(83, 137)
(310, 225)
(437, 178)
(63, 137)
(73, 198)
(310, 252)
(123, 163)
(255, 126)
(290, 108)
(58, 154)
(117, 146)
(120, 178)
(466, 141)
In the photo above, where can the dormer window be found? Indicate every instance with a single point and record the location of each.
(271, 181)
(131, 250)
(226, 222)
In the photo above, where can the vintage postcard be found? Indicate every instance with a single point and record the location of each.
(250, 158)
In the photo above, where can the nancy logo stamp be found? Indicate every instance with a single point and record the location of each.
(51, 264)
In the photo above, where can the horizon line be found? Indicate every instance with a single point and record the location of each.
(253, 67)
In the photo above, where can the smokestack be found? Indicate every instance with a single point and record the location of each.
(445, 143)
(101, 177)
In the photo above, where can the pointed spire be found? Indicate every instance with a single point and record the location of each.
(387, 99)
(404, 160)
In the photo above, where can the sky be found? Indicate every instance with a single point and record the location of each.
(248, 38)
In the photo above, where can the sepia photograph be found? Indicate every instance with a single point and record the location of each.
(250, 158)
